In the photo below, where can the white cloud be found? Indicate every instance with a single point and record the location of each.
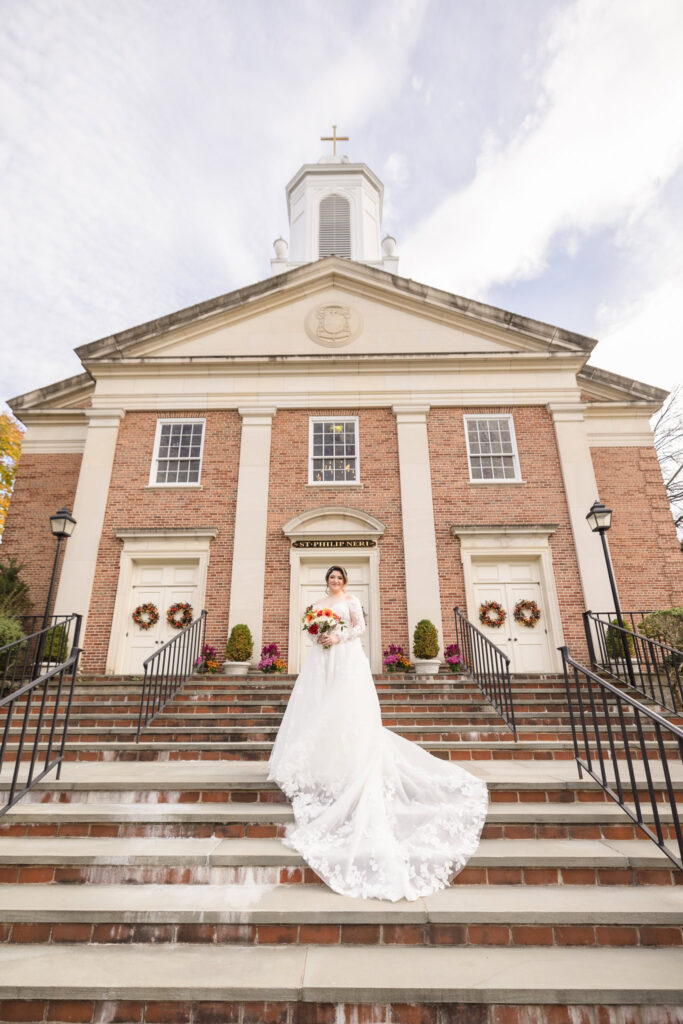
(147, 145)
(605, 134)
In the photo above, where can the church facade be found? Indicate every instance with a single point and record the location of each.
(444, 451)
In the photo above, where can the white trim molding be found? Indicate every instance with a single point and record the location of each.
(151, 545)
(509, 542)
(423, 599)
(92, 491)
(247, 583)
(327, 524)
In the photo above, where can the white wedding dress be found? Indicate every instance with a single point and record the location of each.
(375, 815)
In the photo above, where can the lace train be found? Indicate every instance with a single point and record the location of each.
(375, 815)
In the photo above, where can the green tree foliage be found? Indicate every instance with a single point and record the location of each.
(14, 599)
(425, 640)
(665, 626)
(617, 642)
(240, 645)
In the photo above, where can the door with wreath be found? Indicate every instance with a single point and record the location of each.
(161, 584)
(525, 640)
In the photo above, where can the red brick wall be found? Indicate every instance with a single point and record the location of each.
(44, 484)
(540, 499)
(378, 495)
(647, 559)
(132, 504)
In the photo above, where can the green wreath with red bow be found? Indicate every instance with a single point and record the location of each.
(492, 614)
(185, 615)
(151, 611)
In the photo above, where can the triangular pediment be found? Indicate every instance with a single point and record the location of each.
(334, 304)
(332, 308)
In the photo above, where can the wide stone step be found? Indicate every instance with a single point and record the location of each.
(263, 820)
(328, 983)
(313, 914)
(526, 782)
(223, 861)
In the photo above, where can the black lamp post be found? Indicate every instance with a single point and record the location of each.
(600, 519)
(62, 524)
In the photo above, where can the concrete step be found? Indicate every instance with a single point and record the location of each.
(220, 861)
(260, 914)
(328, 983)
(509, 782)
(578, 820)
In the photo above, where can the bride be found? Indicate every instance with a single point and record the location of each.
(375, 815)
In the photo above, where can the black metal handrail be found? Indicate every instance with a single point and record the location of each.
(488, 666)
(34, 655)
(649, 666)
(591, 697)
(48, 727)
(167, 669)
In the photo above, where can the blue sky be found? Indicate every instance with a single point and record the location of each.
(531, 150)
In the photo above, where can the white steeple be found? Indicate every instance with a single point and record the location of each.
(334, 208)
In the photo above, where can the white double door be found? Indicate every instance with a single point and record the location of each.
(508, 582)
(312, 587)
(161, 584)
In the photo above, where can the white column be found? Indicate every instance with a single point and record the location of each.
(581, 490)
(251, 523)
(419, 536)
(80, 559)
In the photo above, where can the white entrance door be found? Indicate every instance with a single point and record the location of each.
(312, 587)
(162, 584)
(507, 583)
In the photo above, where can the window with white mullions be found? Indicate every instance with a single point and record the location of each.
(178, 452)
(492, 448)
(333, 447)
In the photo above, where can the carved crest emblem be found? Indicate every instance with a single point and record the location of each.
(333, 324)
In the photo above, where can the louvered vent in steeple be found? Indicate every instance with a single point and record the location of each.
(335, 227)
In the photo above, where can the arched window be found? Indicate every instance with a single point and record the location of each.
(335, 227)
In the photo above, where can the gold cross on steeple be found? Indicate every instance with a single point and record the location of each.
(334, 138)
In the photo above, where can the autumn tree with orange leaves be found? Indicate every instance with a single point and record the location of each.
(10, 451)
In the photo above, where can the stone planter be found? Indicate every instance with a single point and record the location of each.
(426, 666)
(235, 668)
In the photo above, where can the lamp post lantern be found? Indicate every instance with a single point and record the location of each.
(599, 519)
(62, 524)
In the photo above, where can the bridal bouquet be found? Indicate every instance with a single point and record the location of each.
(319, 621)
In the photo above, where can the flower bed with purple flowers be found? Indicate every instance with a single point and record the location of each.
(396, 660)
(207, 660)
(271, 661)
(453, 657)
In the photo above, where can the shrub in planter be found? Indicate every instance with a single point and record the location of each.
(617, 642)
(56, 648)
(425, 640)
(240, 645)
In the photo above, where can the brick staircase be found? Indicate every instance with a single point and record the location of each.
(150, 883)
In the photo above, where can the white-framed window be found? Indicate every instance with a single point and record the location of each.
(333, 450)
(492, 449)
(178, 450)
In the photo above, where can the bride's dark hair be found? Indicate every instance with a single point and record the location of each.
(337, 568)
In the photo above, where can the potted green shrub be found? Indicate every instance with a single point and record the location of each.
(238, 651)
(426, 648)
(618, 643)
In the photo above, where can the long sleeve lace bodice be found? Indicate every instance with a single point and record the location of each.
(350, 610)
